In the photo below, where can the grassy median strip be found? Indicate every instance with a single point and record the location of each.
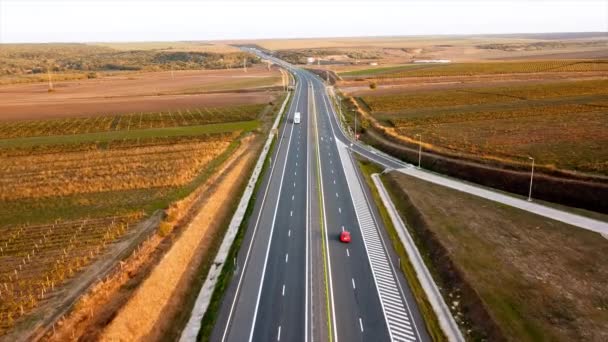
(426, 310)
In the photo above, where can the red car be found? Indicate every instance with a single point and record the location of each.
(345, 237)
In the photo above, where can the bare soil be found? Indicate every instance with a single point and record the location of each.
(143, 92)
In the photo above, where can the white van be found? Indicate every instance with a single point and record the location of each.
(296, 118)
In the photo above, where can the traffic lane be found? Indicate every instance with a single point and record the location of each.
(282, 303)
(406, 297)
(337, 128)
(285, 270)
(405, 289)
(360, 315)
(359, 312)
(241, 310)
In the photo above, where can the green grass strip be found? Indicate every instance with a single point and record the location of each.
(134, 134)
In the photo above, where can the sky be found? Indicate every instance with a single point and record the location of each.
(139, 20)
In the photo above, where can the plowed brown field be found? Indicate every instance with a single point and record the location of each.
(138, 93)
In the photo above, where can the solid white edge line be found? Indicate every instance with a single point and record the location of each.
(388, 257)
(257, 304)
(308, 278)
(272, 169)
(388, 328)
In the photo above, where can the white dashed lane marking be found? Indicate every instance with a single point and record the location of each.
(397, 314)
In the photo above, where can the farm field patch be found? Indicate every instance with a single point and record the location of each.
(100, 170)
(142, 92)
(129, 121)
(562, 125)
(37, 259)
(481, 68)
(485, 95)
(84, 182)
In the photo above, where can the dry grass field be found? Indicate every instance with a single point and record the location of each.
(399, 50)
(537, 279)
(563, 125)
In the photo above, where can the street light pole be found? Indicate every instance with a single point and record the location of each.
(355, 111)
(531, 179)
(419, 148)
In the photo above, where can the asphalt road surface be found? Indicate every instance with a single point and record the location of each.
(296, 281)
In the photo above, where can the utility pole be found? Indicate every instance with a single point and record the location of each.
(245, 64)
(48, 71)
(419, 149)
(172, 75)
(531, 179)
(283, 83)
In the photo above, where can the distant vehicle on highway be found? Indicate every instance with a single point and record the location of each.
(345, 237)
(296, 118)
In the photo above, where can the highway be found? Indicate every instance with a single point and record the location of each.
(296, 281)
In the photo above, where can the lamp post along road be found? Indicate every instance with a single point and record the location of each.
(355, 112)
(419, 148)
(531, 179)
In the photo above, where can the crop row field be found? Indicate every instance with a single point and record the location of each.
(108, 169)
(488, 95)
(131, 121)
(485, 68)
(562, 125)
(93, 193)
(36, 259)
